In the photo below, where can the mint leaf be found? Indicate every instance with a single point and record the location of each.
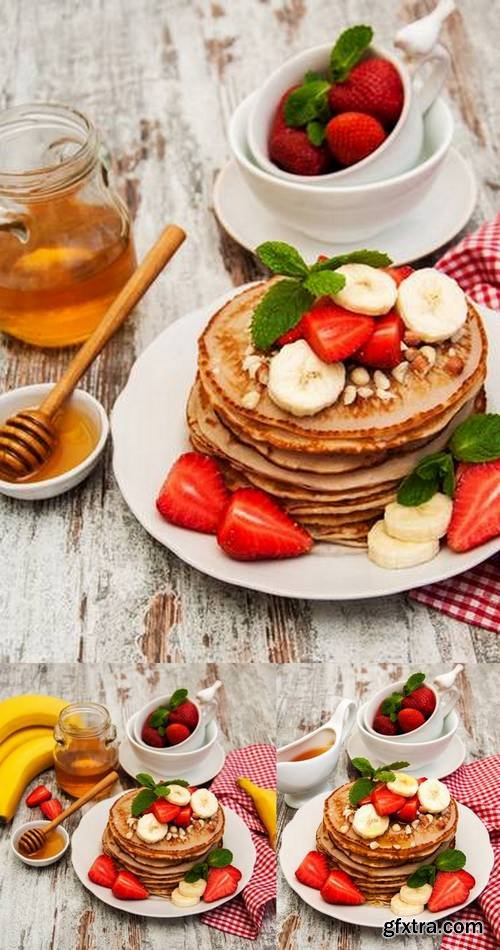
(143, 778)
(477, 439)
(158, 717)
(413, 682)
(371, 258)
(279, 311)
(143, 800)
(196, 873)
(396, 766)
(348, 50)
(426, 874)
(363, 766)
(324, 282)
(415, 491)
(360, 789)
(384, 775)
(162, 790)
(425, 480)
(391, 706)
(306, 103)
(177, 698)
(175, 781)
(282, 259)
(220, 858)
(311, 76)
(315, 132)
(452, 860)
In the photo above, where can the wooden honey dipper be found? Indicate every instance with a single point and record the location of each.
(34, 838)
(28, 438)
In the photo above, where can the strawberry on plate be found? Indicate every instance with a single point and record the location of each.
(449, 890)
(193, 494)
(186, 713)
(373, 86)
(313, 871)
(410, 719)
(221, 882)
(352, 136)
(128, 887)
(333, 332)
(467, 878)
(422, 699)
(386, 802)
(39, 794)
(339, 888)
(254, 528)
(383, 348)
(103, 871)
(476, 507)
(51, 809)
(409, 810)
(176, 732)
(164, 811)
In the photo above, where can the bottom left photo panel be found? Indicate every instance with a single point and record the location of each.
(138, 806)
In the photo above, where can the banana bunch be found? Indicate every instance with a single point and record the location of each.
(408, 536)
(264, 800)
(26, 745)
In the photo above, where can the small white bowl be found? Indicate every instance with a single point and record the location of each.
(26, 397)
(432, 728)
(171, 764)
(387, 750)
(44, 863)
(351, 213)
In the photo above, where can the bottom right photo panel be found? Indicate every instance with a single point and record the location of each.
(388, 799)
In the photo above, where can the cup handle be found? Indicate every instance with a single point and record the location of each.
(448, 701)
(428, 89)
(342, 720)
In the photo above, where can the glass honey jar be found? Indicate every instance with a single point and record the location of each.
(86, 748)
(65, 236)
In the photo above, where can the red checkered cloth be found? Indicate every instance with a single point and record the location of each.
(478, 786)
(473, 597)
(243, 916)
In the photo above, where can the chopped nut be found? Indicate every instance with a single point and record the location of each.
(396, 827)
(397, 847)
(349, 395)
(344, 829)
(169, 835)
(182, 832)
(263, 374)
(458, 335)
(374, 845)
(430, 819)
(360, 376)
(251, 399)
(380, 380)
(365, 392)
(408, 830)
(399, 372)
(130, 834)
(416, 823)
(420, 365)
(347, 811)
(429, 353)
(251, 364)
(452, 351)
(411, 354)
(131, 821)
(454, 365)
(411, 339)
(384, 395)
(249, 350)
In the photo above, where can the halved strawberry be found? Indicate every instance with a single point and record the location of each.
(128, 887)
(193, 494)
(386, 802)
(103, 871)
(399, 274)
(410, 719)
(176, 732)
(296, 333)
(449, 890)
(467, 878)
(220, 883)
(313, 871)
(333, 332)
(183, 819)
(476, 507)
(164, 811)
(234, 872)
(39, 794)
(339, 888)
(409, 810)
(383, 348)
(51, 809)
(254, 527)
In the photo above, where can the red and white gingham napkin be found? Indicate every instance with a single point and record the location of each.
(243, 916)
(478, 786)
(473, 597)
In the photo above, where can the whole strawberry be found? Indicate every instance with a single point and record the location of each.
(186, 714)
(384, 725)
(410, 719)
(422, 699)
(374, 86)
(352, 136)
(291, 150)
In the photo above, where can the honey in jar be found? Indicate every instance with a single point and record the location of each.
(65, 242)
(85, 750)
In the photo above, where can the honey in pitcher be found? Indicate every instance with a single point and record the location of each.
(85, 750)
(312, 753)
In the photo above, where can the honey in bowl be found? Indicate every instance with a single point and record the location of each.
(312, 753)
(77, 437)
(53, 844)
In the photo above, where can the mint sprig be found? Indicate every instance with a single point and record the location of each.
(219, 858)
(151, 791)
(285, 302)
(391, 705)
(306, 103)
(451, 860)
(159, 717)
(348, 50)
(370, 776)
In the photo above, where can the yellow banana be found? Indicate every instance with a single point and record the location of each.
(19, 768)
(264, 800)
(20, 737)
(19, 712)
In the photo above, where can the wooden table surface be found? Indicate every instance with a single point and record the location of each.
(307, 695)
(80, 579)
(63, 915)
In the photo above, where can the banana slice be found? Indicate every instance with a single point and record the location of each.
(179, 795)
(300, 383)
(150, 830)
(431, 304)
(192, 889)
(366, 290)
(415, 895)
(404, 785)
(394, 554)
(183, 900)
(367, 823)
(433, 796)
(427, 522)
(402, 909)
(204, 803)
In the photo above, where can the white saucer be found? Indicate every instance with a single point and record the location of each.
(197, 775)
(440, 767)
(453, 196)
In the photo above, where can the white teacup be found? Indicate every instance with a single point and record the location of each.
(206, 706)
(385, 749)
(432, 728)
(398, 153)
(306, 778)
(173, 762)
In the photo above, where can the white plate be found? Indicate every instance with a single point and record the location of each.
(299, 837)
(197, 775)
(86, 846)
(157, 391)
(440, 767)
(423, 231)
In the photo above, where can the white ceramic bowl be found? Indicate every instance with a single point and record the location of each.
(169, 763)
(416, 753)
(32, 861)
(344, 214)
(28, 396)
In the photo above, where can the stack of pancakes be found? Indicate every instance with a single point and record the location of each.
(160, 866)
(380, 872)
(335, 471)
